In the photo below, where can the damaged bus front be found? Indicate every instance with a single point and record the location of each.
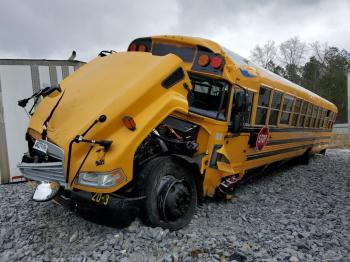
(133, 126)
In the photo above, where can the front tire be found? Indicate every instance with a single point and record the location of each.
(171, 193)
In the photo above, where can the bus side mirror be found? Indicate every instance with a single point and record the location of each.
(240, 102)
(236, 124)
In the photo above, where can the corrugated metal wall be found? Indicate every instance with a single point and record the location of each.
(18, 80)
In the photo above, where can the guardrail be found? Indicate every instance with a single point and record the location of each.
(341, 136)
(341, 129)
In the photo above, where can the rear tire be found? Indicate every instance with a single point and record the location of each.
(323, 152)
(171, 193)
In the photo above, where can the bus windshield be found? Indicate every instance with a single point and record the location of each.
(186, 53)
(210, 97)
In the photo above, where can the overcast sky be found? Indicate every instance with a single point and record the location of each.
(52, 29)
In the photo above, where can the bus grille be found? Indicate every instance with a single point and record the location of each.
(49, 171)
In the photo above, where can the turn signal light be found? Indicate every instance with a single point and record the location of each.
(129, 122)
(142, 48)
(216, 62)
(133, 47)
(203, 60)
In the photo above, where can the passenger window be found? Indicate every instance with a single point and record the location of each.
(319, 112)
(249, 106)
(323, 114)
(302, 114)
(286, 109)
(275, 107)
(263, 106)
(327, 120)
(296, 111)
(308, 115)
(330, 120)
(334, 118)
(313, 116)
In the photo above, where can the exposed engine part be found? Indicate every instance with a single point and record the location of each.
(229, 184)
(173, 136)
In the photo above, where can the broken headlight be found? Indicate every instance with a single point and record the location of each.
(104, 180)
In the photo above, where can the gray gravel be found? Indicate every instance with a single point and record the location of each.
(296, 214)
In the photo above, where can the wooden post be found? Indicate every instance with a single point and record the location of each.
(349, 108)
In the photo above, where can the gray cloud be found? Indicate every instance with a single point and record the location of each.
(52, 29)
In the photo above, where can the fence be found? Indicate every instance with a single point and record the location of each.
(340, 138)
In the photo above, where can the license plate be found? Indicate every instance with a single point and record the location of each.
(41, 146)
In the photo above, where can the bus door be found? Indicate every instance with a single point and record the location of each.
(232, 153)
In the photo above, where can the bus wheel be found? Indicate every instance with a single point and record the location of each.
(171, 194)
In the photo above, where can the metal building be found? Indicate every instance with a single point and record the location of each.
(20, 78)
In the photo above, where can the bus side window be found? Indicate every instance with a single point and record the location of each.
(263, 106)
(334, 119)
(275, 107)
(296, 111)
(308, 115)
(319, 112)
(330, 125)
(302, 114)
(327, 120)
(313, 116)
(323, 119)
(286, 110)
(249, 106)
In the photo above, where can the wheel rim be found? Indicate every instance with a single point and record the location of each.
(174, 198)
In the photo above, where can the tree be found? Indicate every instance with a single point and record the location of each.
(264, 55)
(326, 75)
(271, 66)
(292, 51)
(319, 51)
(311, 74)
(292, 54)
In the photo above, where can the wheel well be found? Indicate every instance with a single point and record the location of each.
(192, 165)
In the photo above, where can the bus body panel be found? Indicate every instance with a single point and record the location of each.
(130, 84)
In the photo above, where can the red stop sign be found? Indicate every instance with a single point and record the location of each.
(261, 139)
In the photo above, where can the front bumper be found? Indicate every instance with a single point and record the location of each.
(46, 171)
(84, 200)
(51, 171)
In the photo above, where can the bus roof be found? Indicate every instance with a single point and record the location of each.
(288, 86)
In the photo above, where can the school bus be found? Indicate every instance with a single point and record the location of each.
(171, 120)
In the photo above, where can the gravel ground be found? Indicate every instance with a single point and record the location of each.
(299, 213)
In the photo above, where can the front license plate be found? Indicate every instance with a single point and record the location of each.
(41, 146)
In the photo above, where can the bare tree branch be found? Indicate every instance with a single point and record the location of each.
(292, 51)
(264, 55)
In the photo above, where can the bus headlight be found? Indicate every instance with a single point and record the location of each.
(103, 180)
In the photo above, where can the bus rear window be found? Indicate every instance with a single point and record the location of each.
(186, 53)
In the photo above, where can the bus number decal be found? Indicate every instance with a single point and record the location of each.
(100, 198)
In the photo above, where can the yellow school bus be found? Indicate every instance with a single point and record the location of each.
(171, 120)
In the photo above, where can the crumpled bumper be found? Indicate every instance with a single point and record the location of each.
(51, 171)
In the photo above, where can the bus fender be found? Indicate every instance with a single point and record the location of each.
(195, 163)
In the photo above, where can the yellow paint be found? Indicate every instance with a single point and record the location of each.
(129, 83)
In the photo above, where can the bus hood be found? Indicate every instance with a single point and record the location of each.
(118, 85)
